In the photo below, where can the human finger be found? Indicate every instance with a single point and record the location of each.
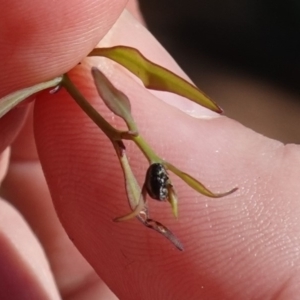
(88, 191)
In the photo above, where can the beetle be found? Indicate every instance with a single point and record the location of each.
(157, 182)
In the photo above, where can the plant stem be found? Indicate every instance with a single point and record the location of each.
(110, 131)
(146, 149)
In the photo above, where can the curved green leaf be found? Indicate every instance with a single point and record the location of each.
(195, 184)
(154, 76)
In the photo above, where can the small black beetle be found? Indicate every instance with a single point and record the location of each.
(157, 182)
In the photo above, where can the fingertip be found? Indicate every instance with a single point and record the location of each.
(40, 40)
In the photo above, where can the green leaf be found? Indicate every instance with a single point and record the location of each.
(173, 200)
(136, 199)
(12, 100)
(195, 184)
(154, 76)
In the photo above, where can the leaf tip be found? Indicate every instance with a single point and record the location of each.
(173, 200)
(219, 109)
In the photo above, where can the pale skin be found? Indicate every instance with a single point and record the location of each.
(244, 246)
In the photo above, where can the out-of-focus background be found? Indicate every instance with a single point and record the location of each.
(245, 54)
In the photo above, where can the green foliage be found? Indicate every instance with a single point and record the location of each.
(153, 76)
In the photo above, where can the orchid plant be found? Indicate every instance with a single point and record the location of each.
(157, 184)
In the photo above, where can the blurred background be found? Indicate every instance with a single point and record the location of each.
(245, 54)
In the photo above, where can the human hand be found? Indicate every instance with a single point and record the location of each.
(243, 246)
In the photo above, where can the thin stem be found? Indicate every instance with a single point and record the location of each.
(110, 131)
(146, 149)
